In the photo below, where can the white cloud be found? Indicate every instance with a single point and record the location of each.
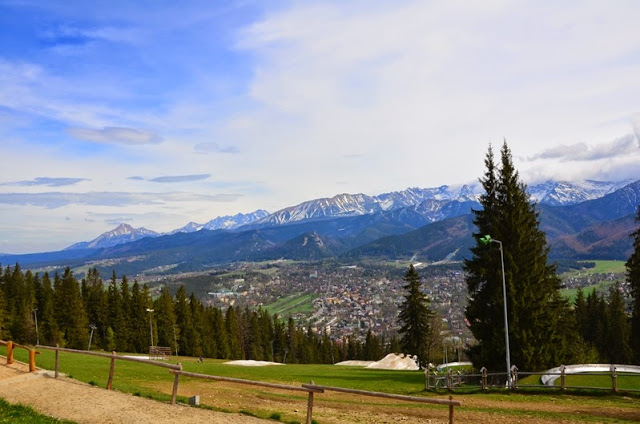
(115, 135)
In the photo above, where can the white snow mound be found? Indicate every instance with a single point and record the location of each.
(396, 362)
(252, 363)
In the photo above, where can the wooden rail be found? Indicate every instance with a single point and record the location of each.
(113, 358)
(450, 402)
(32, 353)
(313, 388)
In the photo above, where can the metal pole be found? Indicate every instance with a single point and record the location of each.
(93, 327)
(35, 314)
(506, 322)
(150, 325)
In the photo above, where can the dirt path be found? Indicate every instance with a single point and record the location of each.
(69, 399)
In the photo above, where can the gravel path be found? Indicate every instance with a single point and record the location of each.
(70, 399)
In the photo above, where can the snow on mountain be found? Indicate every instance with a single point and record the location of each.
(562, 193)
(235, 221)
(340, 205)
(123, 233)
(191, 227)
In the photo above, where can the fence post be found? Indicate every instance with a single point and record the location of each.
(450, 411)
(32, 360)
(9, 352)
(483, 371)
(174, 393)
(57, 360)
(614, 378)
(310, 405)
(450, 379)
(111, 370)
(426, 378)
(514, 377)
(562, 377)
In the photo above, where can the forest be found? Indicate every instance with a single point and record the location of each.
(37, 308)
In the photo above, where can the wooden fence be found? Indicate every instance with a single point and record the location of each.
(177, 371)
(452, 380)
(313, 388)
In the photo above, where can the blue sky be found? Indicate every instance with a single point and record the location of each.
(157, 113)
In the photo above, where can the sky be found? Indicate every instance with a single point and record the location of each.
(158, 113)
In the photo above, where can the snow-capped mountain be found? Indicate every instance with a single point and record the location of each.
(562, 193)
(361, 204)
(123, 233)
(417, 206)
(235, 221)
(191, 227)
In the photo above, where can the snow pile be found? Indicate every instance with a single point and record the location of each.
(355, 363)
(396, 362)
(251, 363)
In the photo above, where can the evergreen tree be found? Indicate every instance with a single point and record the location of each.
(117, 316)
(3, 309)
(415, 332)
(96, 305)
(535, 307)
(140, 321)
(633, 277)
(233, 330)
(70, 312)
(165, 317)
(49, 330)
(618, 331)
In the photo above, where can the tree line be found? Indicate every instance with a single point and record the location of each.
(124, 317)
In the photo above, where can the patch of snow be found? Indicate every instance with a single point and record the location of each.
(252, 363)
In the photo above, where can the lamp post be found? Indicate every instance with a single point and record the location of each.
(35, 315)
(150, 324)
(486, 240)
(92, 327)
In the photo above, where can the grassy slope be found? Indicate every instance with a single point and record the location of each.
(155, 382)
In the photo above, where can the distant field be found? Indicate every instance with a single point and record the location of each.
(602, 267)
(295, 303)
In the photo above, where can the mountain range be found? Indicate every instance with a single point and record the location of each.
(586, 220)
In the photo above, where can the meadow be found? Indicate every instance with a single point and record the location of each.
(497, 405)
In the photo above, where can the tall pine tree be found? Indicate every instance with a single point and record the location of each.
(633, 277)
(536, 310)
(414, 317)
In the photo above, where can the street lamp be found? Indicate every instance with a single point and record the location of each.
(92, 327)
(150, 324)
(487, 240)
(35, 315)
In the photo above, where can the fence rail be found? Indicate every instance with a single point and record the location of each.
(456, 380)
(177, 371)
(313, 388)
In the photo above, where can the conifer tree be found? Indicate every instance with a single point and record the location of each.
(414, 317)
(618, 331)
(233, 330)
(165, 317)
(536, 310)
(70, 312)
(633, 277)
(50, 332)
(117, 316)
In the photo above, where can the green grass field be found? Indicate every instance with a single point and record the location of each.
(20, 414)
(602, 267)
(295, 303)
